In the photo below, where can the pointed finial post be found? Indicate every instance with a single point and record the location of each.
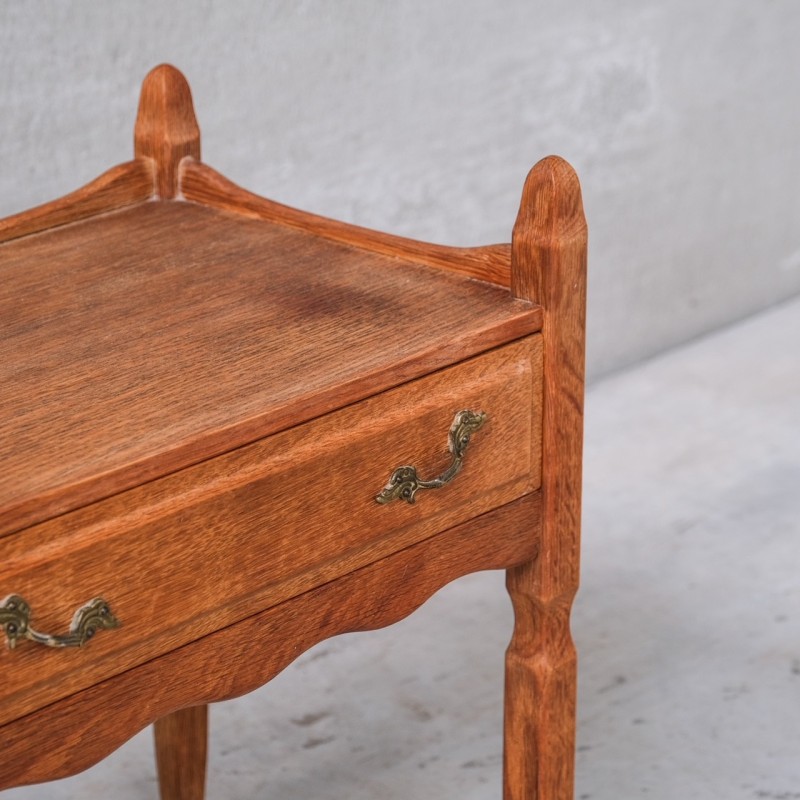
(548, 267)
(166, 128)
(549, 239)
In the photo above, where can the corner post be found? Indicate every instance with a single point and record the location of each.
(166, 128)
(548, 267)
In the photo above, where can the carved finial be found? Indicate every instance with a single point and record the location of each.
(166, 128)
(550, 231)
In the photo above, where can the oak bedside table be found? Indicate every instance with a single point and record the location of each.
(231, 429)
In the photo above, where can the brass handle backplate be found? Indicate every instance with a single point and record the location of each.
(404, 482)
(15, 614)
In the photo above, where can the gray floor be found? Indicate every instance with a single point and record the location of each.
(688, 622)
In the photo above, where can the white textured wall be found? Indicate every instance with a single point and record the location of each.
(422, 118)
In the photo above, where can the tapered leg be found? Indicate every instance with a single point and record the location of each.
(540, 694)
(181, 740)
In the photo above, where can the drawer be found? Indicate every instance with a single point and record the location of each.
(198, 550)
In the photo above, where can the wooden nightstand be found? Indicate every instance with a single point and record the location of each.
(231, 429)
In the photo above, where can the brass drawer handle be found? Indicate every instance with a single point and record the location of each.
(15, 616)
(404, 482)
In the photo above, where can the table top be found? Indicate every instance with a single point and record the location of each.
(137, 342)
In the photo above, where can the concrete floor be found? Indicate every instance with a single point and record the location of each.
(688, 622)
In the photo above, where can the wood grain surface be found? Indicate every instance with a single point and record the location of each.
(85, 727)
(167, 333)
(549, 268)
(205, 547)
(181, 743)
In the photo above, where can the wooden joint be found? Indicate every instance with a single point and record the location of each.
(166, 128)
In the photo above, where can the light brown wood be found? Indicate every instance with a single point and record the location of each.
(181, 742)
(202, 184)
(123, 185)
(549, 268)
(166, 129)
(202, 386)
(85, 727)
(183, 556)
(183, 332)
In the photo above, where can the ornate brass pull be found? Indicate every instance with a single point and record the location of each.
(15, 616)
(404, 482)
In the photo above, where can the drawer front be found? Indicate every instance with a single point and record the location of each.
(196, 551)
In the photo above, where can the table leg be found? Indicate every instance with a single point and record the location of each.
(540, 694)
(548, 267)
(181, 741)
